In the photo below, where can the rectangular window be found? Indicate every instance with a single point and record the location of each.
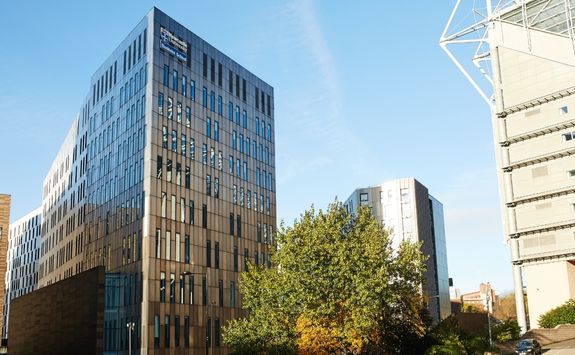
(158, 243)
(208, 185)
(191, 289)
(241, 139)
(166, 75)
(209, 333)
(204, 216)
(231, 164)
(165, 137)
(216, 131)
(220, 105)
(204, 291)
(164, 204)
(212, 157)
(232, 294)
(220, 160)
(209, 127)
(178, 245)
(177, 331)
(179, 112)
(216, 187)
(230, 111)
(188, 116)
(246, 258)
(162, 286)
(205, 65)
(174, 140)
(169, 170)
(172, 288)
(234, 140)
(168, 245)
(191, 212)
(167, 331)
(175, 80)
(187, 178)
(187, 249)
(244, 119)
(184, 144)
(193, 90)
(244, 89)
(178, 174)
(212, 101)
(182, 289)
(237, 85)
(205, 96)
(186, 331)
(217, 255)
(174, 207)
(221, 293)
(204, 153)
(235, 194)
(192, 149)
(212, 70)
(159, 167)
(230, 82)
(170, 108)
(237, 115)
(160, 103)
(257, 98)
(231, 224)
(239, 224)
(219, 74)
(208, 253)
(156, 331)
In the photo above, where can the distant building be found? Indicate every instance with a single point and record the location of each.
(406, 208)
(5, 201)
(484, 299)
(23, 253)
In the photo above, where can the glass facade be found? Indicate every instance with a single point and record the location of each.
(106, 204)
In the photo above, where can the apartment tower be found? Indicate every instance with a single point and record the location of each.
(527, 53)
(5, 201)
(22, 260)
(167, 179)
(410, 213)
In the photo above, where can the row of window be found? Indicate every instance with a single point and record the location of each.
(186, 331)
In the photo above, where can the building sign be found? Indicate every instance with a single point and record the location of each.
(173, 45)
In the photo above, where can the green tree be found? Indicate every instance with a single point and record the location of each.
(338, 286)
(506, 330)
(564, 314)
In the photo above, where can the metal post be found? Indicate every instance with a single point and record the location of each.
(130, 326)
(488, 299)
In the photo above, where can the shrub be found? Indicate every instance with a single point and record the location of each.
(564, 314)
(506, 331)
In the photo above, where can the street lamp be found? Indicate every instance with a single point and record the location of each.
(205, 274)
(130, 326)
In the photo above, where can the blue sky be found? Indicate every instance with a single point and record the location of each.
(363, 94)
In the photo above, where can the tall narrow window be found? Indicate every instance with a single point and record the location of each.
(192, 149)
(235, 258)
(208, 185)
(204, 291)
(158, 243)
(221, 293)
(162, 286)
(156, 329)
(165, 137)
(187, 177)
(179, 112)
(166, 75)
(177, 246)
(174, 140)
(209, 127)
(184, 145)
(204, 216)
(170, 108)
(217, 255)
(167, 331)
(169, 170)
(216, 187)
(159, 167)
(177, 331)
(191, 212)
(168, 245)
(193, 90)
(182, 289)
(188, 116)
(172, 288)
(160, 103)
(204, 153)
(186, 331)
(216, 131)
(232, 294)
(164, 204)
(187, 249)
(175, 80)
(184, 86)
(205, 96)
(191, 289)
(208, 253)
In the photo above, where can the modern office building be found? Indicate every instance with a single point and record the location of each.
(526, 50)
(23, 255)
(5, 202)
(407, 209)
(167, 179)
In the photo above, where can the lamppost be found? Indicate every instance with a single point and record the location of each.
(205, 274)
(488, 301)
(130, 326)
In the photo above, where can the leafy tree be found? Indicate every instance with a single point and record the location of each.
(338, 287)
(564, 314)
(506, 330)
(471, 308)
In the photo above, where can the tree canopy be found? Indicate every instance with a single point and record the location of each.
(564, 314)
(337, 286)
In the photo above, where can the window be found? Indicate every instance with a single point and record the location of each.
(172, 288)
(235, 259)
(208, 253)
(193, 90)
(234, 140)
(238, 167)
(239, 224)
(212, 101)
(204, 291)
(169, 170)
(184, 144)
(156, 331)
(241, 196)
(166, 75)
(177, 331)
(160, 103)
(216, 187)
(174, 207)
(208, 185)
(220, 105)
(271, 182)
(170, 108)
(159, 167)
(164, 204)
(167, 331)
(209, 333)
(569, 136)
(174, 140)
(162, 286)
(205, 96)
(217, 255)
(237, 115)
(231, 164)
(186, 331)
(241, 143)
(191, 212)
(158, 243)
(571, 173)
(259, 232)
(221, 293)
(216, 130)
(212, 157)
(204, 216)
(220, 160)
(246, 258)
(235, 194)
(178, 174)
(178, 245)
(245, 171)
(191, 288)
(563, 110)
(230, 111)
(204, 153)
(232, 294)
(165, 137)
(257, 126)
(192, 149)
(244, 119)
(187, 178)
(209, 127)
(231, 224)
(188, 116)
(269, 132)
(182, 289)
(205, 65)
(175, 80)
(179, 112)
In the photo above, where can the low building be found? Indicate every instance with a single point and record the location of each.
(484, 299)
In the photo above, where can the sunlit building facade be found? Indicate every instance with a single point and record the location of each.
(410, 213)
(167, 178)
(526, 51)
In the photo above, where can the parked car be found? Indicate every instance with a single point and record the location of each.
(528, 346)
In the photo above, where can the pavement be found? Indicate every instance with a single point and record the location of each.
(562, 348)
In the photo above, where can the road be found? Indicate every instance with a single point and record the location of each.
(563, 348)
